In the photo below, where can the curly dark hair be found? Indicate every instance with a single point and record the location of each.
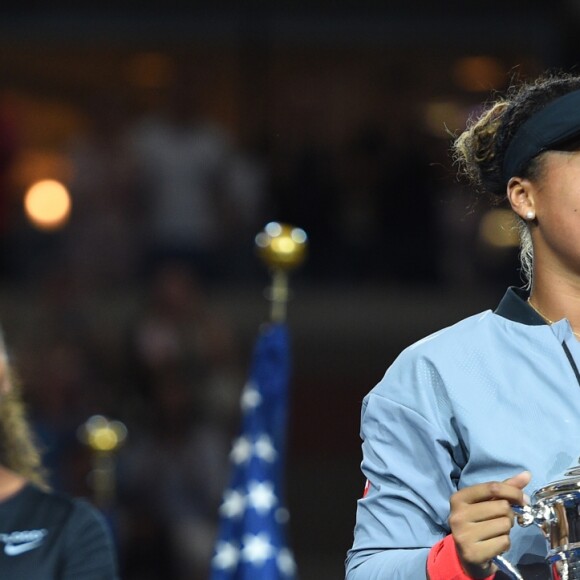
(481, 148)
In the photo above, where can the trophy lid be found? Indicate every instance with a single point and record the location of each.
(561, 487)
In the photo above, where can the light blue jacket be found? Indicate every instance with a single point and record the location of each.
(482, 400)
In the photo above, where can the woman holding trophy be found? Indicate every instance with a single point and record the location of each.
(470, 418)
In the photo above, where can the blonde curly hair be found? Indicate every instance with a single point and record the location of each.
(18, 449)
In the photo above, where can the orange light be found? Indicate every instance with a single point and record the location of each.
(479, 73)
(47, 204)
(150, 70)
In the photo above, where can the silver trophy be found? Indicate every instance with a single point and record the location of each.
(555, 509)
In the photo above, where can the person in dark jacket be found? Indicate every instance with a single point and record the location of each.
(43, 535)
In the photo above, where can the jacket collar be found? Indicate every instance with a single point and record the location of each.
(514, 306)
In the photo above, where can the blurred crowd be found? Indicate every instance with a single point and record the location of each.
(112, 314)
(172, 184)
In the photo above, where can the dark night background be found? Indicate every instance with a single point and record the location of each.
(338, 120)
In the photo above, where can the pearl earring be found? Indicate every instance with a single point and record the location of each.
(531, 215)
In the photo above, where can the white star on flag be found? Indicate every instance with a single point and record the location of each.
(252, 543)
(251, 397)
(227, 556)
(257, 548)
(241, 450)
(264, 448)
(261, 496)
(286, 563)
(234, 504)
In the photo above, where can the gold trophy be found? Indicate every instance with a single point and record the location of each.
(104, 437)
(282, 248)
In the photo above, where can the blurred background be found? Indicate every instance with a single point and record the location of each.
(142, 147)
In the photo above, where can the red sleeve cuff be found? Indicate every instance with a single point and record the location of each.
(443, 562)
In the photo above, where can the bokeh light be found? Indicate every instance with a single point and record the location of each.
(47, 204)
(498, 229)
(479, 73)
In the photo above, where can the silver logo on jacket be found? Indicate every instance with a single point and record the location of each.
(16, 543)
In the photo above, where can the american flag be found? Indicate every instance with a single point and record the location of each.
(251, 544)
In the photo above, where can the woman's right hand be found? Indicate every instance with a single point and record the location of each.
(481, 519)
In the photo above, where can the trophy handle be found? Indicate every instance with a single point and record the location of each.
(525, 516)
(507, 568)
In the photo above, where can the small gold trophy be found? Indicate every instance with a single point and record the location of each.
(103, 437)
(282, 248)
